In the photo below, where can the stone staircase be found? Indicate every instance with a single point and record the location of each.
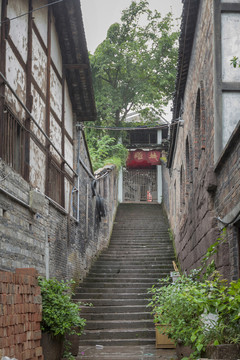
(140, 252)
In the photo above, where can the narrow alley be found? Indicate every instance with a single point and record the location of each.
(119, 325)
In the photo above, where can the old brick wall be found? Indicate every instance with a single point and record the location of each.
(20, 315)
(202, 191)
(192, 207)
(48, 238)
(227, 204)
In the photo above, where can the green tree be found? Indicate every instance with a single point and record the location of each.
(134, 68)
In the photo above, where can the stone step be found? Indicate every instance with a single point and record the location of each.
(158, 265)
(116, 324)
(120, 275)
(122, 279)
(116, 285)
(128, 352)
(109, 290)
(117, 316)
(135, 260)
(81, 296)
(115, 309)
(118, 334)
(117, 342)
(139, 254)
(141, 272)
(117, 302)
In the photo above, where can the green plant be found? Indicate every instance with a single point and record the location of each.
(60, 315)
(201, 308)
(104, 151)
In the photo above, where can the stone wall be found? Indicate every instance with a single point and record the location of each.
(20, 315)
(36, 232)
(165, 188)
(202, 191)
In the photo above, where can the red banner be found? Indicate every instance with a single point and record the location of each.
(143, 159)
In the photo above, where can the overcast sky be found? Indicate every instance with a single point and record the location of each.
(98, 15)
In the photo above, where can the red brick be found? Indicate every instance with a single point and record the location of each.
(37, 335)
(26, 354)
(37, 343)
(30, 335)
(27, 271)
(3, 276)
(38, 351)
(12, 351)
(3, 299)
(3, 343)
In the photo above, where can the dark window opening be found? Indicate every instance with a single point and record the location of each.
(143, 137)
(189, 172)
(12, 141)
(197, 131)
(55, 182)
(165, 133)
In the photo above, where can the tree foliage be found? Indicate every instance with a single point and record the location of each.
(134, 68)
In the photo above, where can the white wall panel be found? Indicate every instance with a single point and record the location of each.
(230, 113)
(39, 114)
(37, 167)
(16, 76)
(56, 137)
(19, 27)
(56, 94)
(39, 64)
(41, 18)
(55, 49)
(68, 112)
(230, 45)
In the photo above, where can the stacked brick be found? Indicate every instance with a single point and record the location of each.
(20, 315)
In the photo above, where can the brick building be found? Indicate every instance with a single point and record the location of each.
(48, 211)
(204, 161)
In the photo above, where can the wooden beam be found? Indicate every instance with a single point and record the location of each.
(3, 71)
(29, 99)
(63, 137)
(48, 94)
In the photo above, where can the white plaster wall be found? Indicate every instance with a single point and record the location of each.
(68, 190)
(39, 64)
(56, 137)
(55, 48)
(159, 184)
(40, 18)
(230, 46)
(39, 113)
(68, 153)
(37, 167)
(17, 78)
(56, 94)
(68, 112)
(230, 114)
(19, 27)
(120, 185)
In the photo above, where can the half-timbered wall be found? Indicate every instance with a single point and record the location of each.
(33, 67)
(48, 219)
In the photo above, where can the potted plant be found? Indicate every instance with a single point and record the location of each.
(202, 310)
(60, 316)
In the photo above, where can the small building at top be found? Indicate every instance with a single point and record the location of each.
(140, 181)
